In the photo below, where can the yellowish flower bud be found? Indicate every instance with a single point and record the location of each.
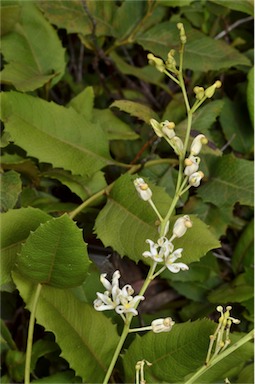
(199, 92)
(156, 62)
(209, 92)
(183, 37)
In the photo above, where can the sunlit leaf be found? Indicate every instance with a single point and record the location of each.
(141, 111)
(61, 261)
(81, 332)
(30, 65)
(55, 134)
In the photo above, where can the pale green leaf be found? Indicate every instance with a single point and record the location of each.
(246, 375)
(202, 53)
(250, 94)
(129, 217)
(22, 165)
(230, 181)
(236, 126)
(141, 111)
(246, 6)
(16, 226)
(82, 186)
(243, 255)
(30, 63)
(173, 355)
(55, 134)
(81, 332)
(10, 188)
(55, 254)
(83, 103)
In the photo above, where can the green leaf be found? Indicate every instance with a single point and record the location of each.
(10, 14)
(32, 63)
(81, 332)
(175, 3)
(173, 355)
(246, 6)
(141, 111)
(230, 181)
(129, 217)
(55, 254)
(244, 250)
(202, 53)
(83, 103)
(55, 134)
(6, 336)
(82, 186)
(58, 378)
(123, 25)
(250, 94)
(10, 188)
(24, 166)
(236, 126)
(75, 18)
(16, 226)
(246, 375)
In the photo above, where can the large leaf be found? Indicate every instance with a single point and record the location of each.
(230, 181)
(202, 53)
(30, 63)
(86, 337)
(55, 134)
(141, 111)
(236, 126)
(16, 227)
(179, 353)
(10, 14)
(55, 254)
(246, 6)
(127, 221)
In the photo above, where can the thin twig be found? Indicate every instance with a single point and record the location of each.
(233, 26)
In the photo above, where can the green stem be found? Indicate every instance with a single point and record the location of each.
(30, 334)
(221, 356)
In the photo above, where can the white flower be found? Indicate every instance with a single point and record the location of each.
(197, 143)
(170, 262)
(181, 225)
(192, 165)
(162, 325)
(168, 128)
(160, 250)
(195, 178)
(121, 300)
(143, 189)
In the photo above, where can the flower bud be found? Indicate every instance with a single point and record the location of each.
(209, 92)
(177, 145)
(171, 63)
(181, 225)
(162, 325)
(168, 128)
(192, 164)
(199, 92)
(195, 178)
(183, 37)
(143, 189)
(197, 143)
(156, 62)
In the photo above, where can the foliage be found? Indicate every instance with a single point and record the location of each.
(78, 97)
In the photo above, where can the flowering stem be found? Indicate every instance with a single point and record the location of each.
(155, 210)
(221, 356)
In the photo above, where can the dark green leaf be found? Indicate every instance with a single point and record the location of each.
(10, 188)
(246, 6)
(123, 25)
(61, 261)
(250, 94)
(244, 250)
(81, 332)
(230, 181)
(10, 14)
(31, 63)
(55, 134)
(246, 375)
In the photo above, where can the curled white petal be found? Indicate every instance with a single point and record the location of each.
(181, 225)
(162, 325)
(197, 143)
(143, 189)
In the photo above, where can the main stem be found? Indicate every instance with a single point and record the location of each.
(30, 334)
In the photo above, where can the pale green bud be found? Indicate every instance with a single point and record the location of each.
(156, 62)
(209, 92)
(177, 145)
(183, 37)
(199, 92)
(157, 127)
(171, 63)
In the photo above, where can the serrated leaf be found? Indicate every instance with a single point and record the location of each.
(16, 226)
(55, 254)
(81, 332)
(55, 134)
(202, 53)
(82, 186)
(25, 166)
(250, 94)
(10, 189)
(246, 6)
(141, 111)
(173, 355)
(230, 181)
(128, 217)
(236, 126)
(83, 103)
(30, 65)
